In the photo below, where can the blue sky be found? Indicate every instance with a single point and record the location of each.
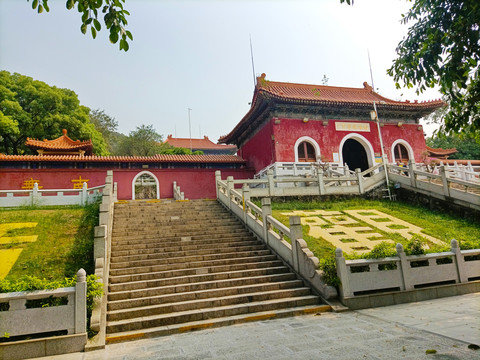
(196, 54)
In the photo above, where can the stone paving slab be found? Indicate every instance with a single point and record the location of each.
(367, 334)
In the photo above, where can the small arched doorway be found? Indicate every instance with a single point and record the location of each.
(354, 155)
(306, 152)
(400, 152)
(145, 186)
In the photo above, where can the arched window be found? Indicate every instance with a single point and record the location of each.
(306, 152)
(401, 153)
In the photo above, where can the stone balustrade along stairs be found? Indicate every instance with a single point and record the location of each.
(184, 265)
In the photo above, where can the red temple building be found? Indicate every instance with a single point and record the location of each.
(306, 123)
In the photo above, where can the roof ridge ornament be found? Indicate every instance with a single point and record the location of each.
(367, 87)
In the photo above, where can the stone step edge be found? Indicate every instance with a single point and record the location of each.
(295, 284)
(166, 256)
(240, 279)
(212, 299)
(216, 322)
(199, 270)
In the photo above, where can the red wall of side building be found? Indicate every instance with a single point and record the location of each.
(195, 183)
(259, 150)
(286, 132)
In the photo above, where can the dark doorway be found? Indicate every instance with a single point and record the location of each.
(401, 154)
(354, 155)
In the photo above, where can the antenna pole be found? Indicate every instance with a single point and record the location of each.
(253, 64)
(190, 128)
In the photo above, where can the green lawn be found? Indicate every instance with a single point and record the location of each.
(437, 224)
(64, 241)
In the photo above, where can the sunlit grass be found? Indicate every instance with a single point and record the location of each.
(64, 243)
(437, 224)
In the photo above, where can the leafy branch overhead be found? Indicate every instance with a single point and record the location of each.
(442, 48)
(114, 17)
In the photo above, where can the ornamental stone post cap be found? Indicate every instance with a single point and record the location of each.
(338, 252)
(454, 243)
(81, 275)
(399, 248)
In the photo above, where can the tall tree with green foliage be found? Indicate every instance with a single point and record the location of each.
(143, 141)
(107, 126)
(114, 17)
(31, 108)
(442, 49)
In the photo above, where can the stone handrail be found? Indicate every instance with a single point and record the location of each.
(101, 255)
(18, 320)
(439, 185)
(177, 193)
(301, 168)
(84, 196)
(398, 273)
(320, 184)
(286, 242)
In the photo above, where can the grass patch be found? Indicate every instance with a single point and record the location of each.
(64, 243)
(381, 219)
(435, 223)
(396, 227)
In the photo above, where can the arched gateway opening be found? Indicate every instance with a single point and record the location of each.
(355, 155)
(145, 186)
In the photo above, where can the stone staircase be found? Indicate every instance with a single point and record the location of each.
(181, 266)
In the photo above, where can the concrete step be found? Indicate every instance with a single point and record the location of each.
(212, 323)
(162, 253)
(167, 296)
(147, 264)
(150, 321)
(171, 272)
(186, 231)
(158, 245)
(146, 238)
(174, 221)
(178, 280)
(260, 280)
(207, 303)
(196, 265)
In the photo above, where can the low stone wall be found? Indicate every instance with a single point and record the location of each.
(39, 197)
(379, 282)
(19, 320)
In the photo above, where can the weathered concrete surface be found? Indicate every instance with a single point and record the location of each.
(395, 332)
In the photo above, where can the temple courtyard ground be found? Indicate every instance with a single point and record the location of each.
(435, 329)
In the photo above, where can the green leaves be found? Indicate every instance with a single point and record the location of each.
(443, 48)
(114, 18)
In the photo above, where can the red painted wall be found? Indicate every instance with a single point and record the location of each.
(195, 183)
(259, 151)
(288, 131)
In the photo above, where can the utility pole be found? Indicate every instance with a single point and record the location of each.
(190, 128)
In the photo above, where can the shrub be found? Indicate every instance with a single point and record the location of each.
(382, 250)
(329, 267)
(415, 246)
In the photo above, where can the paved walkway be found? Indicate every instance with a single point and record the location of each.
(405, 331)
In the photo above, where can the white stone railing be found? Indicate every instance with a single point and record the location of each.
(466, 193)
(286, 242)
(177, 193)
(41, 197)
(400, 273)
(101, 255)
(18, 320)
(304, 169)
(360, 183)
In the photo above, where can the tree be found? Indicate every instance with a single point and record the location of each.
(114, 18)
(467, 147)
(442, 49)
(31, 108)
(106, 125)
(143, 141)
